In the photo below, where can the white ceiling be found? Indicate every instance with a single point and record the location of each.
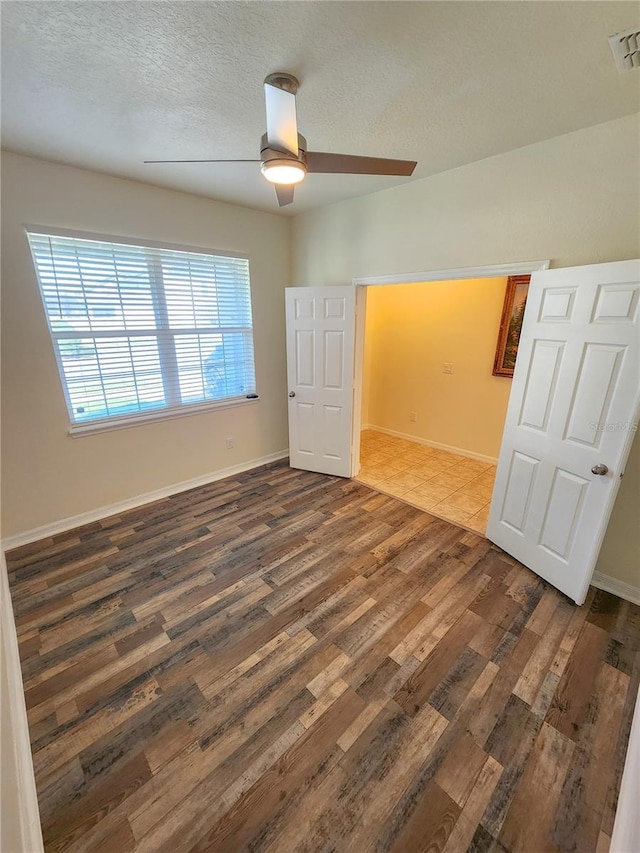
(106, 85)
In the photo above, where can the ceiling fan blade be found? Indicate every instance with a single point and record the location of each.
(201, 161)
(284, 193)
(282, 125)
(318, 161)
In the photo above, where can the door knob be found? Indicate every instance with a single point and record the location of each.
(292, 393)
(599, 469)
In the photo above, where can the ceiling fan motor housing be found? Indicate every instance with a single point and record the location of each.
(269, 153)
(283, 80)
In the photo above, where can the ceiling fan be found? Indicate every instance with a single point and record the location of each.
(284, 159)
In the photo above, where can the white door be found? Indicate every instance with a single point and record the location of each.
(570, 421)
(320, 356)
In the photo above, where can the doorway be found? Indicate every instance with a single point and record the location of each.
(431, 411)
(570, 420)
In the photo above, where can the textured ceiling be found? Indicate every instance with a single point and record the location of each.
(106, 85)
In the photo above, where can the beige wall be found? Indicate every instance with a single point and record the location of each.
(620, 554)
(574, 199)
(411, 330)
(48, 476)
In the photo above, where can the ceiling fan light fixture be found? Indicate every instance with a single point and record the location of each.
(284, 156)
(283, 171)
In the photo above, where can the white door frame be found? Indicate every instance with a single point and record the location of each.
(361, 284)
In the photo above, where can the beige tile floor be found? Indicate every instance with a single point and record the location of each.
(453, 487)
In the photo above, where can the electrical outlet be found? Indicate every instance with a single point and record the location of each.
(447, 367)
(413, 417)
(229, 444)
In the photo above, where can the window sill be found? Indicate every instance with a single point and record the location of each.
(80, 430)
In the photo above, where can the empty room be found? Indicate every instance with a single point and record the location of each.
(320, 385)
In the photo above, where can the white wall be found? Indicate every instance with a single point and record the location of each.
(48, 476)
(10, 836)
(19, 817)
(574, 199)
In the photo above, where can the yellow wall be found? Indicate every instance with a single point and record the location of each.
(573, 199)
(48, 476)
(411, 330)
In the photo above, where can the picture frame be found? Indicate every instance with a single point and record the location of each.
(515, 301)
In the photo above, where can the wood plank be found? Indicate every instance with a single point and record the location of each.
(569, 703)
(262, 811)
(378, 802)
(101, 800)
(495, 606)
(538, 665)
(461, 767)
(525, 828)
(584, 795)
(426, 635)
(492, 704)
(511, 744)
(78, 736)
(478, 800)
(413, 695)
(544, 611)
(287, 661)
(621, 747)
(431, 824)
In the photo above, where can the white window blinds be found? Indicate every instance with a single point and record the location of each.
(139, 329)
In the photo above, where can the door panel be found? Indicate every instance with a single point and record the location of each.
(304, 308)
(595, 386)
(303, 416)
(573, 403)
(541, 384)
(564, 506)
(616, 303)
(305, 347)
(332, 431)
(518, 490)
(320, 357)
(334, 361)
(557, 305)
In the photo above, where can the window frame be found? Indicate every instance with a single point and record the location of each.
(169, 412)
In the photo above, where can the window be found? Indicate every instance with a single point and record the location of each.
(141, 330)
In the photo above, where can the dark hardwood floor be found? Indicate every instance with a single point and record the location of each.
(283, 661)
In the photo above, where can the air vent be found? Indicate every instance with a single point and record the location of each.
(626, 50)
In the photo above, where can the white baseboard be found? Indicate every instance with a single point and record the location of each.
(98, 514)
(14, 714)
(470, 454)
(619, 588)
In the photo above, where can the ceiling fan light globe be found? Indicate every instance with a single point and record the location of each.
(283, 171)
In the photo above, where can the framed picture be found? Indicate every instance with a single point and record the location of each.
(515, 301)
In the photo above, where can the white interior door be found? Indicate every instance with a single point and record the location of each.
(320, 357)
(570, 421)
